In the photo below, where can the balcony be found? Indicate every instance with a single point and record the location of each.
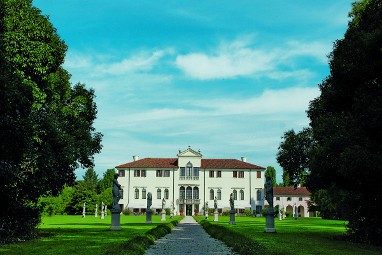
(189, 178)
(187, 201)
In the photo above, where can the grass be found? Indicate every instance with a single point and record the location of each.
(64, 234)
(301, 236)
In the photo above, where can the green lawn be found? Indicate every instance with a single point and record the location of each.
(301, 236)
(77, 235)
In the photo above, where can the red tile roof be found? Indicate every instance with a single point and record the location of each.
(291, 191)
(206, 163)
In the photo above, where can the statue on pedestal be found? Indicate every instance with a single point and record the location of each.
(116, 192)
(216, 204)
(231, 202)
(149, 201)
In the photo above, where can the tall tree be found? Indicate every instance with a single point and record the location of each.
(347, 124)
(271, 171)
(106, 181)
(47, 124)
(91, 177)
(294, 155)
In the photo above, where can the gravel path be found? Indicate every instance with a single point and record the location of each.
(188, 237)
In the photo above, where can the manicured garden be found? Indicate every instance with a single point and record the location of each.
(64, 234)
(301, 236)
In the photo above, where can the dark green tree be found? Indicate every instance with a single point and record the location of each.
(83, 192)
(106, 181)
(294, 156)
(91, 177)
(46, 123)
(271, 171)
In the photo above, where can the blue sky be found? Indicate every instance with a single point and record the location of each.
(226, 77)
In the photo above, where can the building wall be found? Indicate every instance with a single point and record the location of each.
(288, 205)
(226, 183)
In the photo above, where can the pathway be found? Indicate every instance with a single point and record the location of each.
(188, 237)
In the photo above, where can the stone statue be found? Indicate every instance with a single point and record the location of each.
(163, 203)
(116, 192)
(269, 191)
(149, 201)
(231, 202)
(216, 203)
(84, 211)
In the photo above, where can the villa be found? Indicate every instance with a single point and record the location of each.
(189, 182)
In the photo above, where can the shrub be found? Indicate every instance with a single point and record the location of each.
(126, 212)
(247, 213)
(225, 213)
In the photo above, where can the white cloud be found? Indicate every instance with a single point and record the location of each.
(240, 58)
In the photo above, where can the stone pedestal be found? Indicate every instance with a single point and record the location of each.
(270, 221)
(163, 215)
(148, 216)
(115, 219)
(216, 216)
(232, 217)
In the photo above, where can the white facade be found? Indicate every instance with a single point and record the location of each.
(189, 181)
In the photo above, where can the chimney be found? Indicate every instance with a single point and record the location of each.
(135, 157)
(244, 159)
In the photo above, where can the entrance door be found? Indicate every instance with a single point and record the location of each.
(189, 210)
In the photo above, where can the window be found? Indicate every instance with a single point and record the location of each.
(241, 194)
(196, 193)
(234, 194)
(143, 193)
(189, 169)
(137, 173)
(300, 199)
(182, 171)
(166, 194)
(182, 193)
(277, 198)
(289, 198)
(166, 173)
(196, 171)
(234, 174)
(159, 194)
(259, 208)
(136, 196)
(143, 173)
(241, 174)
(212, 195)
(121, 173)
(258, 174)
(258, 195)
(189, 193)
(211, 174)
(121, 193)
(159, 173)
(219, 174)
(219, 195)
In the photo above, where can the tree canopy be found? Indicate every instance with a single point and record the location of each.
(346, 128)
(47, 124)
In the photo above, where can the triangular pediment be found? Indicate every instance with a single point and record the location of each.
(189, 153)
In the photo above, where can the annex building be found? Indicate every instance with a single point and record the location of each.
(189, 181)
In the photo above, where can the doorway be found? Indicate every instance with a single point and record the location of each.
(189, 210)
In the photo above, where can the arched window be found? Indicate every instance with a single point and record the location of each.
(212, 194)
(159, 194)
(189, 169)
(234, 194)
(258, 195)
(241, 194)
(196, 193)
(182, 193)
(219, 195)
(136, 194)
(166, 195)
(143, 193)
(189, 193)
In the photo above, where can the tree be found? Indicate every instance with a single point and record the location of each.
(271, 171)
(46, 123)
(294, 155)
(83, 192)
(106, 181)
(91, 177)
(346, 129)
